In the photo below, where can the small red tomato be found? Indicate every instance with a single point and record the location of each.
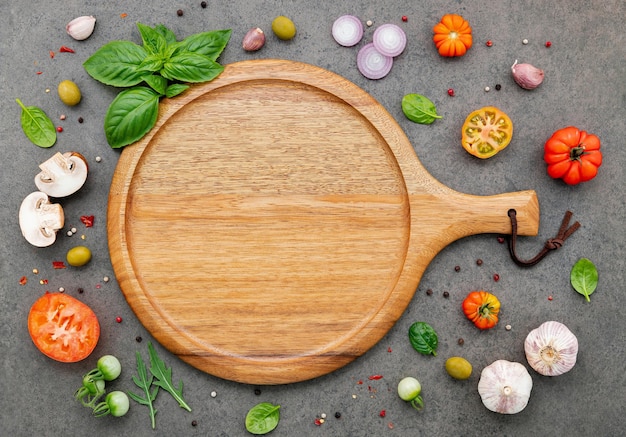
(572, 155)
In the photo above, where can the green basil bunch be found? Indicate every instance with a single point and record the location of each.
(161, 66)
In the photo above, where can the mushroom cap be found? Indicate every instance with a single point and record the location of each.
(62, 174)
(505, 386)
(39, 219)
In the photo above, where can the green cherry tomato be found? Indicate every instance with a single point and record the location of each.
(409, 390)
(78, 256)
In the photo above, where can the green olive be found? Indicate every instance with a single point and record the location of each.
(69, 93)
(458, 368)
(283, 27)
(78, 256)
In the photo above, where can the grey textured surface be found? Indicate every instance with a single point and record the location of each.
(584, 86)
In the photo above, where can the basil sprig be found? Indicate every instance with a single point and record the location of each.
(161, 66)
(37, 126)
(423, 338)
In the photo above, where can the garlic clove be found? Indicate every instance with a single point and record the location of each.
(527, 76)
(81, 28)
(505, 387)
(254, 40)
(551, 349)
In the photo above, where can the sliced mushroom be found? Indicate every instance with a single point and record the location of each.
(40, 220)
(62, 174)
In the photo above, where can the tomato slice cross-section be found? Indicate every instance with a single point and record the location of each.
(486, 131)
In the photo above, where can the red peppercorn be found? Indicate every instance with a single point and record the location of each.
(450, 92)
(489, 43)
(549, 297)
(500, 240)
(118, 319)
(457, 268)
(405, 18)
(548, 44)
(383, 413)
(496, 277)
(59, 129)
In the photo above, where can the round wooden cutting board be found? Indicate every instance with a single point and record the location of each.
(276, 222)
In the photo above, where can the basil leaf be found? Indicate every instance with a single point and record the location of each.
(153, 41)
(156, 82)
(175, 89)
(37, 126)
(131, 115)
(151, 63)
(423, 338)
(117, 64)
(170, 37)
(262, 418)
(419, 109)
(191, 67)
(209, 44)
(584, 277)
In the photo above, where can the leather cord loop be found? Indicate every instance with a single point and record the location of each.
(552, 244)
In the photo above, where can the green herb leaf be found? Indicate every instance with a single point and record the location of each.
(153, 41)
(152, 63)
(131, 115)
(37, 126)
(117, 64)
(191, 67)
(584, 277)
(419, 109)
(423, 338)
(163, 376)
(175, 89)
(170, 37)
(156, 82)
(262, 418)
(144, 382)
(209, 44)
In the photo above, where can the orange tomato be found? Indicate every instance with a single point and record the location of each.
(63, 328)
(482, 308)
(452, 35)
(486, 131)
(573, 155)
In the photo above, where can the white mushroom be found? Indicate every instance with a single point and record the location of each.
(40, 220)
(62, 174)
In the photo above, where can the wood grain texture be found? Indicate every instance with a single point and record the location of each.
(276, 222)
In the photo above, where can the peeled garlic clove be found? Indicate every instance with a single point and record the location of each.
(551, 349)
(81, 28)
(527, 76)
(254, 40)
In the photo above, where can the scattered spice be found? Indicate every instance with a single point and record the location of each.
(23, 280)
(450, 92)
(405, 18)
(429, 292)
(59, 129)
(87, 220)
(375, 377)
(498, 87)
(98, 159)
(81, 291)
(318, 421)
(194, 423)
(61, 290)
(65, 49)
(389, 349)
(123, 15)
(501, 240)
(138, 339)
(524, 41)
(548, 44)
(550, 297)
(179, 12)
(457, 268)
(382, 413)
(496, 277)
(460, 342)
(390, 425)
(213, 394)
(508, 327)
(51, 54)
(257, 391)
(58, 264)
(35, 271)
(39, 72)
(489, 43)
(337, 415)
(479, 262)
(43, 282)
(203, 5)
(118, 319)
(487, 89)
(446, 294)
(106, 279)
(80, 119)
(62, 117)
(369, 23)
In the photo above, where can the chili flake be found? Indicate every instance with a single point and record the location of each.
(375, 377)
(318, 421)
(389, 349)
(123, 15)
(39, 72)
(23, 280)
(65, 49)
(58, 264)
(87, 220)
(43, 282)
(51, 54)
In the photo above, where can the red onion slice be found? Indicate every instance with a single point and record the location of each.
(372, 64)
(347, 30)
(389, 40)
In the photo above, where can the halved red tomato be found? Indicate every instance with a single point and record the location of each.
(63, 328)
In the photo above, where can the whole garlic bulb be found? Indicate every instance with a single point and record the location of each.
(527, 76)
(551, 349)
(505, 387)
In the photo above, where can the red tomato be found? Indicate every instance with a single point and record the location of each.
(63, 328)
(573, 155)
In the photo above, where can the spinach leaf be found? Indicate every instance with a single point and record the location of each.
(584, 277)
(423, 338)
(209, 44)
(131, 115)
(419, 109)
(117, 64)
(191, 67)
(153, 41)
(175, 89)
(37, 126)
(262, 418)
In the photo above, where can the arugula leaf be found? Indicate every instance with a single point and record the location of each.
(164, 378)
(153, 41)
(209, 44)
(419, 109)
(144, 382)
(191, 67)
(423, 338)
(131, 115)
(37, 126)
(117, 64)
(584, 277)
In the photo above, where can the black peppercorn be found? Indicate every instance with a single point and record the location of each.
(498, 87)
(257, 391)
(446, 294)
(194, 423)
(460, 341)
(203, 5)
(429, 292)
(138, 339)
(338, 415)
(479, 262)
(457, 268)
(80, 119)
(179, 12)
